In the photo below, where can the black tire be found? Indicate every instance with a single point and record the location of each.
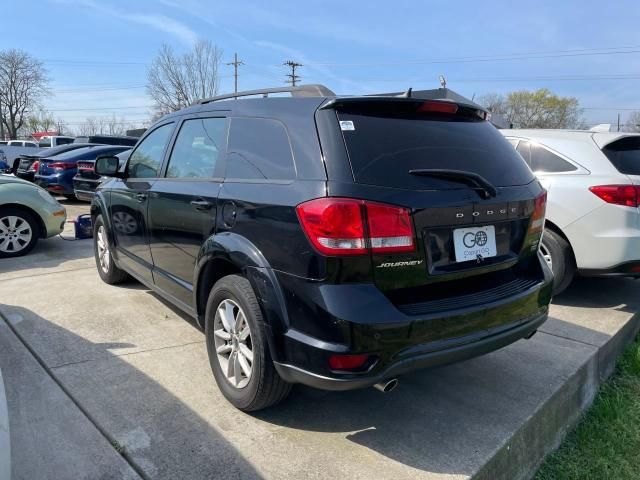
(265, 387)
(563, 263)
(110, 274)
(18, 248)
(71, 197)
(16, 164)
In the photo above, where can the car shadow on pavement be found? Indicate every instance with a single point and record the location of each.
(152, 428)
(622, 294)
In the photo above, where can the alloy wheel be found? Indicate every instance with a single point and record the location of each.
(232, 338)
(103, 249)
(15, 234)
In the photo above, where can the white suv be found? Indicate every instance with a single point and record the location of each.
(593, 215)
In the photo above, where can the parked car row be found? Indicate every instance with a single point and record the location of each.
(16, 150)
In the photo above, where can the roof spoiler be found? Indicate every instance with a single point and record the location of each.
(442, 94)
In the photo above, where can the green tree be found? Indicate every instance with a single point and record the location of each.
(537, 109)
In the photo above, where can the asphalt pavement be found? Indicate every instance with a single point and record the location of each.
(111, 382)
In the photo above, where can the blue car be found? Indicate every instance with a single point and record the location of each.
(56, 174)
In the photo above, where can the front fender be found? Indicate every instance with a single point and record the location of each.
(100, 206)
(248, 259)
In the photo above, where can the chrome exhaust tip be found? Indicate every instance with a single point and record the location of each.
(386, 386)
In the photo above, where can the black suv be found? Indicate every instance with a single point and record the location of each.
(333, 241)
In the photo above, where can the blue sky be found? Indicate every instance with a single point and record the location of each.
(96, 51)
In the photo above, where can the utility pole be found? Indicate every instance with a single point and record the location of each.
(293, 78)
(618, 122)
(236, 63)
(1, 117)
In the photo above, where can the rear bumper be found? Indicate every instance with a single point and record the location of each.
(84, 195)
(606, 238)
(349, 319)
(55, 184)
(493, 341)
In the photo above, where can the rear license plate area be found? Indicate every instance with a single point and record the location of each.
(474, 243)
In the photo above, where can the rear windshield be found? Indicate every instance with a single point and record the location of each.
(624, 154)
(383, 149)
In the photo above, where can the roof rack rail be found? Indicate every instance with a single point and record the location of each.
(313, 90)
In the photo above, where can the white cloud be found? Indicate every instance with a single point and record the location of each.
(157, 21)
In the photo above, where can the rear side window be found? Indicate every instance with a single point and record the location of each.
(524, 149)
(542, 160)
(259, 149)
(197, 148)
(624, 154)
(382, 150)
(45, 142)
(64, 141)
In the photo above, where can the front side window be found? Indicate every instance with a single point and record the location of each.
(197, 148)
(542, 160)
(259, 149)
(145, 160)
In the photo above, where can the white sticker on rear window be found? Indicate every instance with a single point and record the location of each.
(346, 125)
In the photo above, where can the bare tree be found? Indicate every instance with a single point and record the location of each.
(23, 81)
(88, 128)
(176, 81)
(633, 122)
(494, 102)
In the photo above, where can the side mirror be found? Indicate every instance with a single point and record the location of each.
(107, 166)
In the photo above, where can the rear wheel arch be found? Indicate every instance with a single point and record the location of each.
(558, 248)
(41, 225)
(230, 254)
(210, 272)
(548, 224)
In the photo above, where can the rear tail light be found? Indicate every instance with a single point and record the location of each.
(625, 195)
(34, 166)
(438, 107)
(345, 226)
(539, 210)
(62, 165)
(348, 362)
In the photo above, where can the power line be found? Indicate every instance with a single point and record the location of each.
(99, 89)
(293, 78)
(98, 108)
(485, 58)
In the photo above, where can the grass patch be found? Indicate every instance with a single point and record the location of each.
(606, 442)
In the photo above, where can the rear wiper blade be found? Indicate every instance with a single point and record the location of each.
(462, 176)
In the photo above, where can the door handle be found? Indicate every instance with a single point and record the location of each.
(141, 197)
(201, 204)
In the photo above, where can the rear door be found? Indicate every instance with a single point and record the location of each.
(129, 200)
(461, 231)
(182, 203)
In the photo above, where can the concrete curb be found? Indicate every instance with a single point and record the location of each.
(5, 440)
(544, 431)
